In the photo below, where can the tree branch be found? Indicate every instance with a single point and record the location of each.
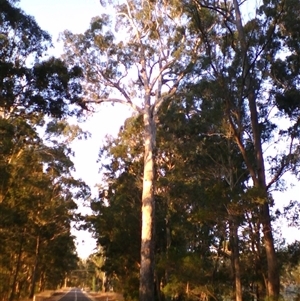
(133, 106)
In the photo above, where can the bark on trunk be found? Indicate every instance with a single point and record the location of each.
(273, 281)
(234, 238)
(104, 281)
(273, 275)
(41, 282)
(34, 272)
(146, 290)
(260, 178)
(18, 265)
(168, 245)
(236, 261)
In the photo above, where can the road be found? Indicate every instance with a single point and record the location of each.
(75, 294)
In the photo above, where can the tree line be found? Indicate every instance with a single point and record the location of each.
(37, 189)
(188, 209)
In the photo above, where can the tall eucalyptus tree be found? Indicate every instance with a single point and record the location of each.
(141, 64)
(243, 57)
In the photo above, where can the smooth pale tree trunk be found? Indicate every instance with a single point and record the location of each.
(104, 281)
(146, 289)
(259, 180)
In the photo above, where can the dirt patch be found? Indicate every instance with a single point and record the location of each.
(106, 296)
(55, 297)
(50, 295)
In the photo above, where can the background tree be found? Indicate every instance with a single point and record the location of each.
(37, 209)
(240, 56)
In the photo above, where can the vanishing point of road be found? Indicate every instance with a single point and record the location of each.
(75, 294)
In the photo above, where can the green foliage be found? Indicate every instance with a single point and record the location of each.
(37, 201)
(37, 190)
(190, 211)
(217, 82)
(120, 244)
(28, 83)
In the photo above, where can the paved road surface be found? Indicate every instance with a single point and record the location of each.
(75, 294)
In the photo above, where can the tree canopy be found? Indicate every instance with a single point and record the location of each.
(185, 208)
(217, 74)
(37, 188)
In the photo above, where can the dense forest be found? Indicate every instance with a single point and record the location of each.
(37, 189)
(186, 209)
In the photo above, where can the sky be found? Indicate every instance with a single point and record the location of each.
(55, 16)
